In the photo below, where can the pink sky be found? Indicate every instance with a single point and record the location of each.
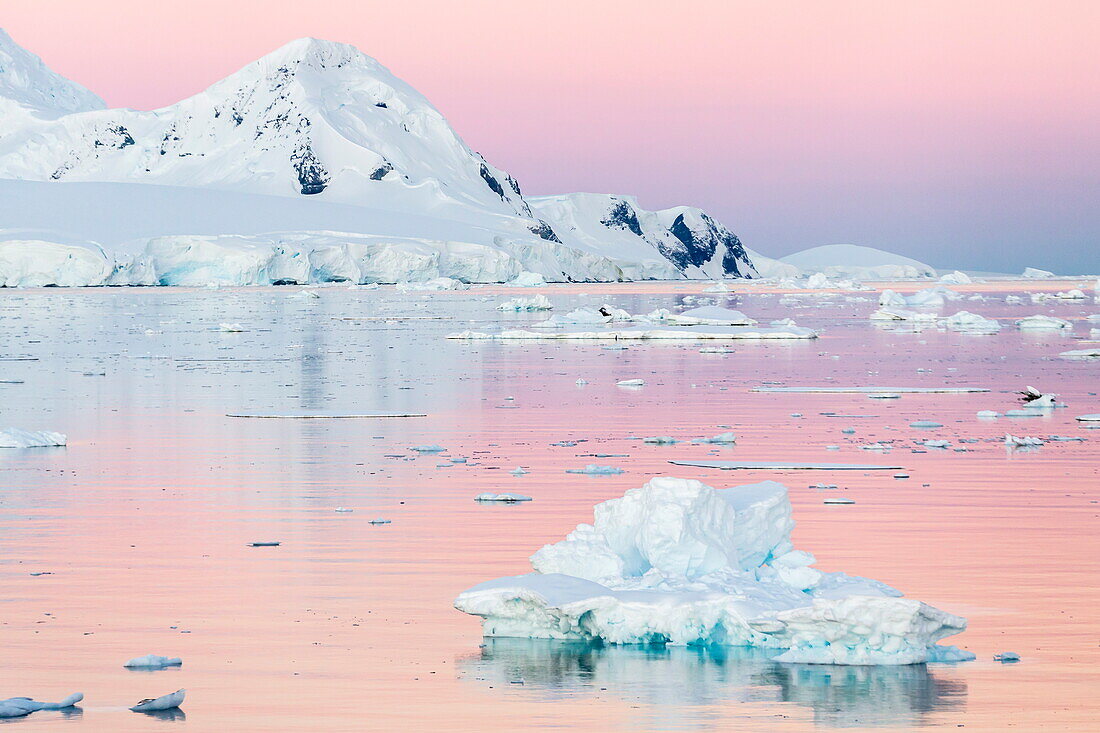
(960, 133)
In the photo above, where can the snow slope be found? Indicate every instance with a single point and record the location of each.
(850, 260)
(313, 124)
(679, 562)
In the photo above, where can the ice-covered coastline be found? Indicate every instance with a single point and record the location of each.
(678, 562)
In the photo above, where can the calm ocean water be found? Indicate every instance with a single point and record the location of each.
(144, 520)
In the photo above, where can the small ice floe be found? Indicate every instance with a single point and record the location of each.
(231, 328)
(710, 315)
(164, 702)
(881, 447)
(1021, 441)
(892, 313)
(901, 475)
(518, 471)
(660, 440)
(715, 350)
(581, 382)
(427, 448)
(783, 322)
(1086, 354)
(925, 424)
(1042, 323)
(1034, 398)
(783, 466)
(153, 661)
(936, 443)
(720, 439)
(1095, 417)
(17, 707)
(593, 470)
(1069, 295)
(838, 500)
(304, 295)
(970, 323)
(988, 414)
(630, 383)
(343, 510)
(1006, 657)
(506, 498)
(716, 288)
(264, 544)
(379, 520)
(884, 396)
(16, 438)
(537, 303)
(1013, 299)
(684, 333)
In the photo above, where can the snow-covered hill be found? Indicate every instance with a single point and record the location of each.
(321, 123)
(865, 263)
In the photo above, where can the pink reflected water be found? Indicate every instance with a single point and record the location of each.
(144, 519)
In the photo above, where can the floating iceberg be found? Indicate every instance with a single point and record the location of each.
(17, 707)
(956, 278)
(153, 661)
(538, 303)
(527, 279)
(164, 702)
(16, 438)
(1034, 273)
(970, 323)
(1042, 323)
(678, 562)
(854, 261)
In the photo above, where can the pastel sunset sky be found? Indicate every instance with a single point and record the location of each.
(962, 133)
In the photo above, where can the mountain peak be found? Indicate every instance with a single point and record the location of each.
(33, 86)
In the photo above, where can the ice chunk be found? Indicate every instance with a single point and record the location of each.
(231, 328)
(1006, 657)
(593, 470)
(17, 707)
(427, 448)
(678, 562)
(1070, 295)
(988, 414)
(1014, 441)
(538, 303)
(16, 438)
(971, 323)
(527, 279)
(1095, 417)
(631, 383)
(506, 498)
(956, 278)
(660, 440)
(1081, 354)
(164, 702)
(925, 424)
(153, 661)
(838, 500)
(720, 439)
(1042, 323)
(710, 315)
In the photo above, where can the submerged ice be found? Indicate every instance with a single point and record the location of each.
(681, 563)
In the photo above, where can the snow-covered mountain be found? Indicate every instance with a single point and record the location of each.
(320, 121)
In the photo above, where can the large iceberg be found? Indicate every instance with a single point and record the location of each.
(861, 263)
(678, 562)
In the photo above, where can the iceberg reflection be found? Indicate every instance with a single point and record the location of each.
(698, 677)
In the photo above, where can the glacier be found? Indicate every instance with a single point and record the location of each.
(678, 562)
